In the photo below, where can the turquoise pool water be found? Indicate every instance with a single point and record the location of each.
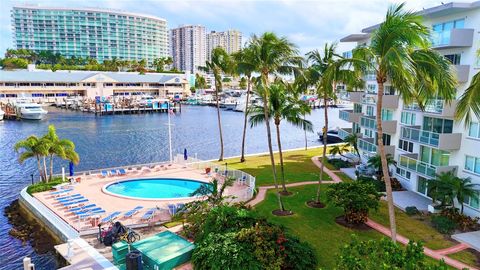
(155, 188)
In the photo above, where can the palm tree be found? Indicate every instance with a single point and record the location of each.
(62, 148)
(470, 100)
(245, 65)
(339, 150)
(271, 55)
(220, 63)
(376, 162)
(327, 70)
(281, 107)
(352, 140)
(33, 147)
(447, 187)
(399, 52)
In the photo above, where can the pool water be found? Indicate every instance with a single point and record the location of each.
(155, 188)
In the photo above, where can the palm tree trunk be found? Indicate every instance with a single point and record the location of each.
(45, 168)
(325, 139)
(242, 158)
(39, 165)
(383, 158)
(219, 124)
(282, 170)
(305, 133)
(51, 167)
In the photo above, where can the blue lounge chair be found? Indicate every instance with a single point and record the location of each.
(113, 172)
(122, 171)
(71, 199)
(180, 207)
(149, 214)
(104, 173)
(110, 217)
(172, 209)
(85, 211)
(67, 197)
(132, 212)
(60, 191)
(82, 207)
(74, 202)
(91, 213)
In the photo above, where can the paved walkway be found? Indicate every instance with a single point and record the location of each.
(436, 254)
(469, 238)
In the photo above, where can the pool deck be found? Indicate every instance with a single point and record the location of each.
(91, 188)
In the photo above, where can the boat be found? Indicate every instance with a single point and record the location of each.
(28, 110)
(229, 104)
(2, 114)
(332, 136)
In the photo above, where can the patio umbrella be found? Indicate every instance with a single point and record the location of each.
(70, 166)
(185, 156)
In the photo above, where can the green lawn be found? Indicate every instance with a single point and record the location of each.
(413, 228)
(298, 167)
(316, 226)
(466, 256)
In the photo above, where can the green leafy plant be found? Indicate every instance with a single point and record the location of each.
(443, 224)
(339, 163)
(463, 222)
(411, 210)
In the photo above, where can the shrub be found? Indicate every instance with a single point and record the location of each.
(411, 210)
(42, 186)
(379, 185)
(443, 224)
(396, 185)
(299, 255)
(462, 222)
(339, 163)
(356, 198)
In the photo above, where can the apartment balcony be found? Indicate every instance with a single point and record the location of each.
(368, 145)
(344, 132)
(356, 97)
(411, 163)
(442, 141)
(389, 126)
(350, 116)
(462, 72)
(454, 38)
(441, 108)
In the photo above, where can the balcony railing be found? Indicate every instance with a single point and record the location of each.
(349, 116)
(364, 144)
(442, 141)
(453, 38)
(417, 166)
(344, 132)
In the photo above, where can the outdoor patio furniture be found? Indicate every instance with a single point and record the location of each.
(113, 172)
(67, 197)
(71, 203)
(85, 211)
(82, 207)
(110, 217)
(60, 192)
(104, 173)
(149, 214)
(91, 213)
(71, 199)
(132, 212)
(122, 171)
(180, 207)
(172, 209)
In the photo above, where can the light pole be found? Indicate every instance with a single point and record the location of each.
(31, 175)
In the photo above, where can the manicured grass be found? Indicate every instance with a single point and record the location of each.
(466, 256)
(40, 187)
(316, 226)
(172, 224)
(415, 228)
(344, 177)
(298, 167)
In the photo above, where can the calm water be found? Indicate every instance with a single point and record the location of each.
(128, 139)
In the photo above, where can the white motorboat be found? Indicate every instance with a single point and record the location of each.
(28, 110)
(229, 103)
(2, 114)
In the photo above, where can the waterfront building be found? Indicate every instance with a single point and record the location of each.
(90, 33)
(188, 48)
(44, 85)
(425, 143)
(230, 41)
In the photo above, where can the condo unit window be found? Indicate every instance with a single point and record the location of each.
(474, 130)
(372, 88)
(368, 133)
(356, 128)
(453, 58)
(447, 26)
(405, 145)
(434, 156)
(389, 90)
(357, 108)
(473, 201)
(370, 110)
(387, 115)
(404, 173)
(437, 125)
(422, 186)
(408, 118)
(472, 164)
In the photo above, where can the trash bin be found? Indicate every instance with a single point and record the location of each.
(133, 260)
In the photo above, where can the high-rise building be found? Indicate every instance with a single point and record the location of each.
(426, 143)
(90, 33)
(230, 40)
(188, 47)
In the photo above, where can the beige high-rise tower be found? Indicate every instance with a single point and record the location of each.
(230, 40)
(188, 47)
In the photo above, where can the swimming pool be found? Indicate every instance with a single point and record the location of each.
(154, 188)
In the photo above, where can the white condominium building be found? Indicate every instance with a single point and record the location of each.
(188, 47)
(230, 40)
(425, 143)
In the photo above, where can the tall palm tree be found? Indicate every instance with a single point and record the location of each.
(447, 187)
(33, 147)
(63, 148)
(352, 140)
(271, 55)
(327, 70)
(376, 162)
(281, 107)
(339, 150)
(399, 52)
(470, 100)
(245, 65)
(220, 63)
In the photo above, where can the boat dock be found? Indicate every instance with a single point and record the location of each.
(10, 112)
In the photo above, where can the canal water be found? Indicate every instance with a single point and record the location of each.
(119, 140)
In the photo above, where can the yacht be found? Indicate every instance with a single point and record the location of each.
(229, 103)
(2, 113)
(28, 110)
(332, 136)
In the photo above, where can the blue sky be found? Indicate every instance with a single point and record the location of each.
(309, 24)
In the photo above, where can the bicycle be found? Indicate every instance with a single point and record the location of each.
(129, 236)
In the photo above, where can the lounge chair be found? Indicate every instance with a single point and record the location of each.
(71, 199)
(85, 211)
(243, 180)
(67, 197)
(60, 191)
(172, 209)
(113, 172)
(149, 214)
(180, 207)
(91, 213)
(132, 212)
(72, 203)
(104, 173)
(82, 207)
(122, 171)
(110, 217)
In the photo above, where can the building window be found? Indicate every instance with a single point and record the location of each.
(473, 201)
(453, 58)
(405, 145)
(368, 133)
(422, 185)
(474, 130)
(357, 108)
(387, 115)
(472, 164)
(434, 156)
(404, 173)
(370, 110)
(438, 125)
(372, 88)
(408, 118)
